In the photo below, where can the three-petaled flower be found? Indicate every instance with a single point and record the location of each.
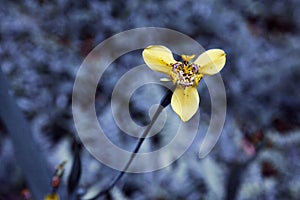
(186, 75)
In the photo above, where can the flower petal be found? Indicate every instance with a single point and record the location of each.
(187, 57)
(185, 102)
(211, 61)
(158, 58)
(165, 80)
(53, 196)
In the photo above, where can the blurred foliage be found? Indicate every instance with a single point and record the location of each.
(42, 44)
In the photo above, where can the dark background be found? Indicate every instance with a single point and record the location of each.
(43, 43)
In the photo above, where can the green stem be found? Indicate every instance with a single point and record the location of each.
(164, 103)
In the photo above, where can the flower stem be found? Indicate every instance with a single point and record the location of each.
(163, 103)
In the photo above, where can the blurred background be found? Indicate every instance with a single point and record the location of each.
(43, 43)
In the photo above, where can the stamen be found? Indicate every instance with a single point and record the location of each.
(185, 74)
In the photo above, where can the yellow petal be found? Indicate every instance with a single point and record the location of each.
(185, 102)
(158, 58)
(211, 61)
(53, 196)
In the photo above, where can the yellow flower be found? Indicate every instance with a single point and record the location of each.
(186, 75)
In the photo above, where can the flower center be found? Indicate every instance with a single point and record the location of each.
(185, 74)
